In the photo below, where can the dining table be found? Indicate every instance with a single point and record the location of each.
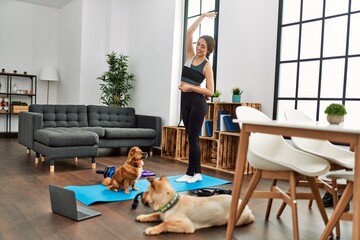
(344, 133)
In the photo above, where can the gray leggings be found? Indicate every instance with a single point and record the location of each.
(193, 111)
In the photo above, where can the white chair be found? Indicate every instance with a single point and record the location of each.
(273, 158)
(339, 158)
(339, 211)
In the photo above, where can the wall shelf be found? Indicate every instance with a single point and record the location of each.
(27, 94)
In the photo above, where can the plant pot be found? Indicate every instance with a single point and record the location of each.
(335, 119)
(17, 109)
(236, 98)
(216, 99)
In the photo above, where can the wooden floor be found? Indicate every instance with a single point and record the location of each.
(25, 211)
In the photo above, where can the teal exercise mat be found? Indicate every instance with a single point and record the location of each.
(99, 193)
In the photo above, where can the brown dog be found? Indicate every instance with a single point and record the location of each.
(183, 213)
(127, 175)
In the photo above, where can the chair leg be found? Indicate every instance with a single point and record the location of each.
(335, 202)
(315, 192)
(270, 201)
(282, 206)
(338, 211)
(292, 184)
(252, 185)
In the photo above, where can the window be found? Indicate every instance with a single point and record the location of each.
(318, 59)
(194, 9)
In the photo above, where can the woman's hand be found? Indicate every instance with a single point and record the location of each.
(185, 87)
(210, 15)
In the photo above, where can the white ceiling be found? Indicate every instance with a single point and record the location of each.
(48, 3)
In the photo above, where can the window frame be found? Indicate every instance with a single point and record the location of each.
(216, 26)
(318, 99)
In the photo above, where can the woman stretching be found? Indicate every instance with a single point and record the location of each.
(193, 97)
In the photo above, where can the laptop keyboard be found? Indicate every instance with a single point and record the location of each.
(81, 214)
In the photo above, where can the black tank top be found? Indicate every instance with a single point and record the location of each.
(193, 74)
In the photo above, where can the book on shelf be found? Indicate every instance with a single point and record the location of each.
(230, 125)
(222, 122)
(209, 127)
(220, 113)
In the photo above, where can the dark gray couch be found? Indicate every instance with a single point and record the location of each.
(67, 131)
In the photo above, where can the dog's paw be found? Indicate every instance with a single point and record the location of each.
(135, 189)
(141, 218)
(152, 231)
(126, 191)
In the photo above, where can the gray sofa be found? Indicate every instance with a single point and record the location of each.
(72, 131)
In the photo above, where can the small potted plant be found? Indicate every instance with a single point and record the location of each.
(19, 106)
(216, 96)
(335, 113)
(236, 97)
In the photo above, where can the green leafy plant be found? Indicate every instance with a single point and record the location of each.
(117, 81)
(237, 91)
(217, 93)
(335, 109)
(19, 103)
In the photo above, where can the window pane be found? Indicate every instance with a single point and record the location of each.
(282, 106)
(310, 40)
(308, 107)
(335, 36)
(312, 9)
(196, 34)
(332, 78)
(355, 5)
(334, 7)
(352, 109)
(193, 7)
(308, 79)
(207, 27)
(353, 81)
(291, 11)
(354, 43)
(207, 5)
(287, 80)
(289, 43)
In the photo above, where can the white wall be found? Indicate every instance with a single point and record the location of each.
(77, 37)
(247, 50)
(151, 43)
(70, 29)
(28, 41)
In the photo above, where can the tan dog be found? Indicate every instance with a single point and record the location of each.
(183, 213)
(127, 175)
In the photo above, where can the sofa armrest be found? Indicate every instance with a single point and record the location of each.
(153, 122)
(29, 122)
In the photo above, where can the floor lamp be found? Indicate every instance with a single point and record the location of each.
(48, 74)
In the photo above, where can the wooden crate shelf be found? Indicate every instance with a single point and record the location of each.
(174, 144)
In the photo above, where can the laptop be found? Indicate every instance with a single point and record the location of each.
(63, 202)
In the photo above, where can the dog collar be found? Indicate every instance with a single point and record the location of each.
(170, 204)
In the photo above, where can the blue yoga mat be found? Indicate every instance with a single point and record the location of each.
(99, 193)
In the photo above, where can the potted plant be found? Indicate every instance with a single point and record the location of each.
(335, 113)
(19, 106)
(117, 81)
(216, 96)
(236, 97)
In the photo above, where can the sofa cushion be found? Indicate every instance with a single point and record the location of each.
(111, 117)
(65, 137)
(123, 133)
(98, 130)
(62, 115)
